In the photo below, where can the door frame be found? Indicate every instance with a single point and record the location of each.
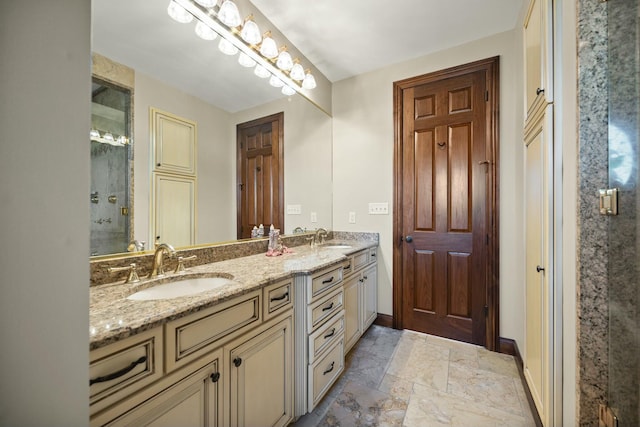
(491, 68)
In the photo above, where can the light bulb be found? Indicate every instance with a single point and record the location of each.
(261, 72)
(250, 31)
(94, 134)
(207, 3)
(276, 82)
(122, 140)
(179, 13)
(227, 47)
(287, 90)
(297, 72)
(309, 81)
(205, 32)
(245, 60)
(284, 61)
(268, 48)
(229, 14)
(108, 137)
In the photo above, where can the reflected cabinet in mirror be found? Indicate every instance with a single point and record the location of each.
(111, 178)
(167, 68)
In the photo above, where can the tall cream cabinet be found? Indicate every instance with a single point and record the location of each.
(174, 178)
(538, 352)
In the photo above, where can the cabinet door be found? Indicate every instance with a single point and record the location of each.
(352, 324)
(174, 143)
(538, 55)
(261, 376)
(369, 296)
(192, 401)
(174, 210)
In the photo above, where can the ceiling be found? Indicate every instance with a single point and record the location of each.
(341, 38)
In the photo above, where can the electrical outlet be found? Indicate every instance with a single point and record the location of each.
(294, 209)
(379, 208)
(314, 217)
(352, 217)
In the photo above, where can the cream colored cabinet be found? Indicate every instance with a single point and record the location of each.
(191, 401)
(360, 296)
(352, 324)
(369, 296)
(538, 50)
(260, 370)
(174, 143)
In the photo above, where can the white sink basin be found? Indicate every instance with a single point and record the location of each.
(180, 288)
(337, 246)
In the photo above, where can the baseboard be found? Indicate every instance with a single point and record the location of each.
(384, 320)
(510, 347)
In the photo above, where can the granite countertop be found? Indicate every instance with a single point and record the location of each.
(113, 317)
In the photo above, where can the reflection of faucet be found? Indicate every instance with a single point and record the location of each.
(161, 249)
(298, 230)
(136, 245)
(321, 234)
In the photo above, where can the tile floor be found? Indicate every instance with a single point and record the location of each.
(404, 378)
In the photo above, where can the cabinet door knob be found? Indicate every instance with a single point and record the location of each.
(237, 361)
(539, 269)
(408, 239)
(215, 377)
(539, 91)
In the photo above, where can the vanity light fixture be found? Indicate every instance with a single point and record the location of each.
(288, 90)
(261, 72)
(227, 47)
(108, 138)
(229, 14)
(205, 32)
(236, 36)
(284, 62)
(245, 61)
(179, 13)
(250, 31)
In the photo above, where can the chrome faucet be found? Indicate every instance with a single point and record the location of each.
(161, 249)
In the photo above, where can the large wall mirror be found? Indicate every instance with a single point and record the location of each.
(163, 65)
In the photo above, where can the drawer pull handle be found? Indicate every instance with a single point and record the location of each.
(280, 298)
(330, 334)
(329, 369)
(117, 374)
(373, 255)
(237, 361)
(347, 267)
(366, 278)
(329, 280)
(215, 377)
(329, 307)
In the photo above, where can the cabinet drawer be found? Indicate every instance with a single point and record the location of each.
(325, 336)
(278, 298)
(192, 336)
(323, 373)
(324, 281)
(373, 255)
(324, 309)
(119, 369)
(360, 259)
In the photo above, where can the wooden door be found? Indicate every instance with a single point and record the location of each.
(445, 178)
(260, 174)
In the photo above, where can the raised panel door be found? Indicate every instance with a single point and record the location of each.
(369, 296)
(174, 210)
(352, 323)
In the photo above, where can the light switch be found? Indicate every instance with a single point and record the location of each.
(294, 209)
(379, 208)
(352, 217)
(314, 217)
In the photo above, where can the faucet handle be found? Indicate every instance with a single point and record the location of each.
(133, 274)
(180, 267)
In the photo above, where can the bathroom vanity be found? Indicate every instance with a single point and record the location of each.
(261, 349)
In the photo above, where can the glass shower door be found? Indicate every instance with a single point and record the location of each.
(624, 262)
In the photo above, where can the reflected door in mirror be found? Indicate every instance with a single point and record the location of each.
(260, 174)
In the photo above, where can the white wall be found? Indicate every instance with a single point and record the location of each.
(307, 159)
(363, 161)
(216, 213)
(45, 109)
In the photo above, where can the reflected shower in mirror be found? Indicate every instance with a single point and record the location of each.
(110, 168)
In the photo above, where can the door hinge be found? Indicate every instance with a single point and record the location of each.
(487, 239)
(486, 96)
(486, 310)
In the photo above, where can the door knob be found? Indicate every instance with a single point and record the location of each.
(539, 269)
(409, 239)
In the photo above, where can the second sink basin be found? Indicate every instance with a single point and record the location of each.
(181, 288)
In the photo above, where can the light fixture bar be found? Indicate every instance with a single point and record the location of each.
(203, 15)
